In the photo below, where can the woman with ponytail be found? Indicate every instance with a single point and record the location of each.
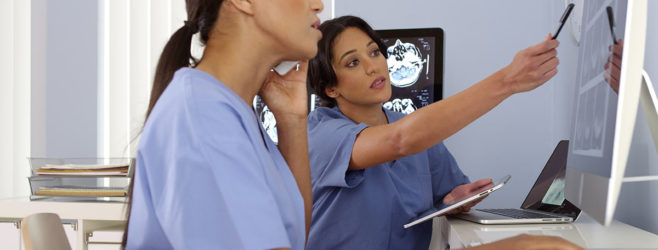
(207, 176)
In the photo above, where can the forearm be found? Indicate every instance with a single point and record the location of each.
(429, 125)
(293, 144)
(436, 122)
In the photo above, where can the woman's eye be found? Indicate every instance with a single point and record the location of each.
(374, 52)
(353, 63)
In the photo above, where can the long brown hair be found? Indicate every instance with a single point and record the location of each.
(201, 17)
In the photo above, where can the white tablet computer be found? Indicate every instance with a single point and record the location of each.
(445, 208)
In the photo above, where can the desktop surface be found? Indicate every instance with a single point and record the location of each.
(585, 232)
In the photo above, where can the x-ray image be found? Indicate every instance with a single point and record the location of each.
(266, 118)
(405, 63)
(412, 79)
(405, 106)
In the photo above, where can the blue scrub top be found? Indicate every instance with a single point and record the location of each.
(366, 209)
(207, 178)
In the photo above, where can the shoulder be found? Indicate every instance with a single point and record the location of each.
(324, 113)
(194, 86)
(196, 102)
(326, 117)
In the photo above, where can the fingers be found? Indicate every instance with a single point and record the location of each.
(611, 76)
(483, 181)
(543, 47)
(544, 61)
(613, 70)
(616, 49)
(449, 198)
(543, 58)
(616, 60)
(548, 75)
(547, 68)
(613, 65)
(463, 189)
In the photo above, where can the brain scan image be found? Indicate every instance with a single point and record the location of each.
(266, 118)
(412, 79)
(405, 106)
(405, 63)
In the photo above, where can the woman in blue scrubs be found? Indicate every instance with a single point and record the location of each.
(207, 176)
(374, 170)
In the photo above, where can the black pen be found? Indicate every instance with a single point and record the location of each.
(611, 20)
(563, 20)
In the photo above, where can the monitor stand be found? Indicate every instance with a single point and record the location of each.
(649, 105)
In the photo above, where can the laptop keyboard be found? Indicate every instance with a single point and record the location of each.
(517, 213)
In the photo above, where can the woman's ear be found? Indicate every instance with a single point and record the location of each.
(331, 92)
(245, 6)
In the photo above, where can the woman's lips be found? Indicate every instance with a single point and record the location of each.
(378, 83)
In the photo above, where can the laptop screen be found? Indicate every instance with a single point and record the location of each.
(547, 194)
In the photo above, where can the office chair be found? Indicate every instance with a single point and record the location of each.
(44, 231)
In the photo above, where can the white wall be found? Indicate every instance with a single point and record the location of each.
(14, 107)
(519, 135)
(14, 96)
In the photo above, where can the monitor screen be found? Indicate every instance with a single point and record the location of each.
(608, 77)
(596, 101)
(415, 65)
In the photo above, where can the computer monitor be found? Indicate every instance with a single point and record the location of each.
(603, 119)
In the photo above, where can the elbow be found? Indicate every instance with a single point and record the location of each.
(406, 143)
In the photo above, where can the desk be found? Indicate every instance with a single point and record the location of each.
(585, 232)
(87, 216)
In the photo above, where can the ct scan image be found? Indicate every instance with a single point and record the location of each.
(412, 80)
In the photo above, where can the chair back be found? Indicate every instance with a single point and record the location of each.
(43, 231)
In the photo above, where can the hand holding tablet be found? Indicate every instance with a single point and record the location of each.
(463, 197)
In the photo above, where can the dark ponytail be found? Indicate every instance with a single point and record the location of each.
(175, 55)
(201, 17)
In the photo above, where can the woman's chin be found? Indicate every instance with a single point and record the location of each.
(311, 52)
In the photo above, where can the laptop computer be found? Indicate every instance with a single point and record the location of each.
(545, 203)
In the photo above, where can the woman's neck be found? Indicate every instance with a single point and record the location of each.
(369, 114)
(238, 58)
